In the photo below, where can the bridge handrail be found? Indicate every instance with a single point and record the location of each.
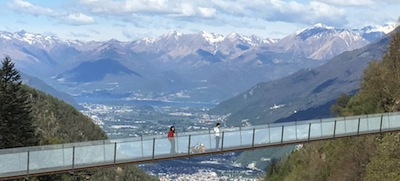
(151, 137)
(48, 158)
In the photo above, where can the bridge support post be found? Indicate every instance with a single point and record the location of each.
(177, 143)
(115, 153)
(27, 165)
(240, 132)
(104, 150)
(380, 128)
(73, 158)
(154, 147)
(309, 131)
(222, 142)
(63, 153)
(254, 134)
(295, 129)
(283, 128)
(209, 137)
(189, 145)
(141, 143)
(269, 135)
(358, 128)
(334, 130)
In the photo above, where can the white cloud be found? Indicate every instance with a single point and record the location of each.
(207, 12)
(319, 10)
(187, 9)
(291, 11)
(229, 7)
(79, 19)
(349, 2)
(153, 8)
(182, 13)
(310, 13)
(23, 6)
(127, 6)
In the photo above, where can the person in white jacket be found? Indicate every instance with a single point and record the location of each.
(217, 135)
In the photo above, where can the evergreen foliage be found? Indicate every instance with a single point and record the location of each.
(16, 121)
(373, 157)
(58, 122)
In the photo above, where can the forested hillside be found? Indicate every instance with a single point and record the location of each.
(58, 122)
(373, 157)
(29, 117)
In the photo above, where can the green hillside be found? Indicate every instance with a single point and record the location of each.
(59, 122)
(370, 158)
(30, 117)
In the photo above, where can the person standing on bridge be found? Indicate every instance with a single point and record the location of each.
(171, 138)
(217, 135)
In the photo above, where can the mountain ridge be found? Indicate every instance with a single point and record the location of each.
(200, 58)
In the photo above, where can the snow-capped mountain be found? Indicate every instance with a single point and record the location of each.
(373, 33)
(175, 45)
(204, 66)
(38, 40)
(38, 50)
(320, 42)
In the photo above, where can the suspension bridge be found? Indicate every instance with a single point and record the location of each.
(25, 162)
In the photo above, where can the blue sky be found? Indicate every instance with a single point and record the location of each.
(134, 19)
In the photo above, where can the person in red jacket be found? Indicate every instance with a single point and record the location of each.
(171, 138)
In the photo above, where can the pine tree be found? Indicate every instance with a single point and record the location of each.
(16, 121)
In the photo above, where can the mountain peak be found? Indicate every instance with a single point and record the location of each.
(211, 37)
(318, 30)
(386, 28)
(173, 33)
(232, 35)
(320, 25)
(22, 32)
(113, 41)
(97, 70)
(33, 38)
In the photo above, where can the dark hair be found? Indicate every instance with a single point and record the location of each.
(217, 124)
(171, 128)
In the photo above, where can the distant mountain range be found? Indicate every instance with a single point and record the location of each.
(306, 94)
(202, 67)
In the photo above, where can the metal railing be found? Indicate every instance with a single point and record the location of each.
(38, 160)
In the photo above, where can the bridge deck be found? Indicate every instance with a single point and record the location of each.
(41, 160)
